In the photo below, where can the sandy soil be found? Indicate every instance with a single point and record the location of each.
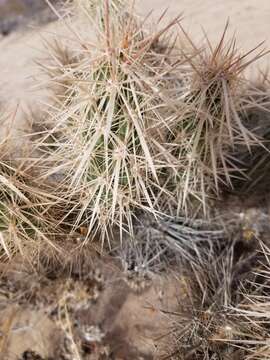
(248, 18)
(118, 319)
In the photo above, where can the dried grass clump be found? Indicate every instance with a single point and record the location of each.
(14, 228)
(226, 312)
(108, 142)
(28, 211)
(159, 246)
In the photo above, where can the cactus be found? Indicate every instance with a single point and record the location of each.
(211, 126)
(111, 123)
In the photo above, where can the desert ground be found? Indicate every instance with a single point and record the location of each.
(113, 321)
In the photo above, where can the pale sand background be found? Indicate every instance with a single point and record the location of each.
(249, 18)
